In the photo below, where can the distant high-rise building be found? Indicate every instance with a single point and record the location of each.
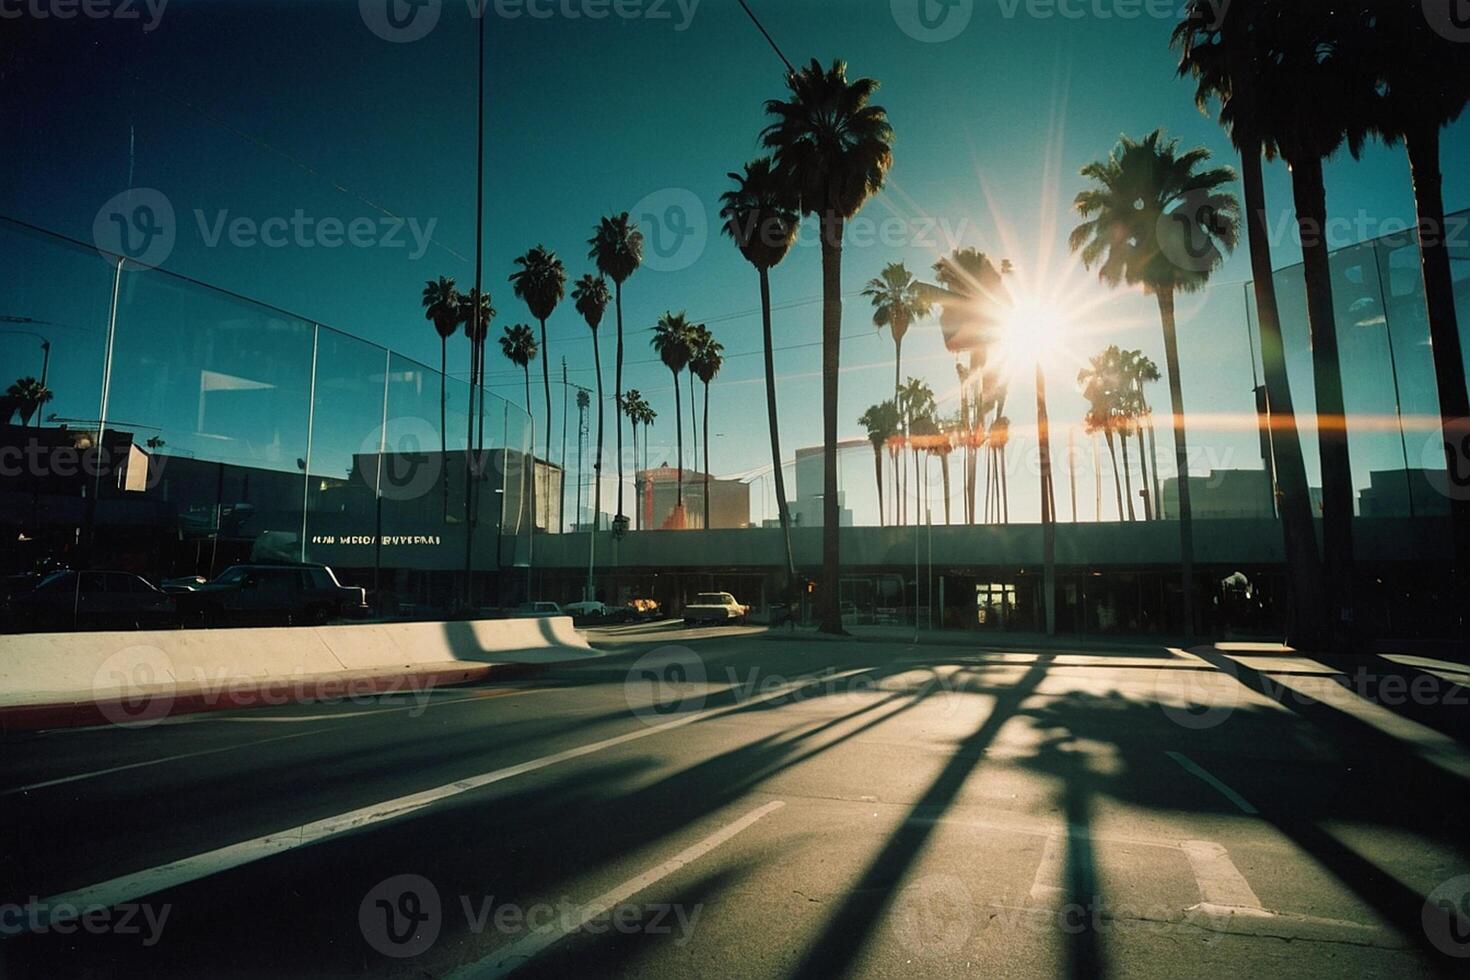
(658, 495)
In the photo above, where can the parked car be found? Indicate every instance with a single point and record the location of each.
(714, 607)
(91, 600)
(254, 594)
(538, 609)
(585, 608)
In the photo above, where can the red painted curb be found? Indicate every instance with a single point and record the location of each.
(149, 708)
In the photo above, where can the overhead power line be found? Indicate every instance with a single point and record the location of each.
(767, 35)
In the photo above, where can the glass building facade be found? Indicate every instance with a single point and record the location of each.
(191, 429)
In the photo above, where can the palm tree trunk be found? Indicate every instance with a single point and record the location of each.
(546, 386)
(944, 459)
(1337, 478)
(1048, 508)
(1444, 336)
(528, 466)
(1127, 476)
(878, 478)
(597, 460)
(1148, 506)
(897, 362)
(1005, 487)
(705, 423)
(1117, 483)
(779, 478)
(618, 393)
(1153, 454)
(443, 430)
(693, 423)
(637, 494)
(679, 435)
(1181, 459)
(832, 228)
(1298, 527)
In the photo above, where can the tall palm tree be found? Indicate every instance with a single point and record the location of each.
(27, 395)
(1102, 387)
(915, 402)
(1141, 371)
(477, 329)
(645, 417)
(707, 357)
(699, 335)
(1153, 219)
(898, 301)
(1315, 98)
(832, 148)
(1220, 50)
(591, 297)
(998, 439)
(518, 344)
(443, 306)
(881, 421)
(762, 221)
(1424, 88)
(541, 282)
(633, 406)
(617, 248)
(671, 343)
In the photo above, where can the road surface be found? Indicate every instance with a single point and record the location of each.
(732, 803)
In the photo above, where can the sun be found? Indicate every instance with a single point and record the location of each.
(1033, 332)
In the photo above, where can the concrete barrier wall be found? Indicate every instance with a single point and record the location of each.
(43, 668)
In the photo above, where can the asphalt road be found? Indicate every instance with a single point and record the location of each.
(727, 803)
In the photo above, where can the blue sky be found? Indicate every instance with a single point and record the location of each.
(265, 110)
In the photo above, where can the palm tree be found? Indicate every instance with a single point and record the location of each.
(518, 344)
(1102, 387)
(881, 421)
(477, 329)
(1142, 370)
(634, 406)
(762, 221)
(707, 357)
(1218, 47)
(1222, 49)
(645, 417)
(443, 305)
(698, 336)
(584, 402)
(617, 248)
(998, 439)
(897, 302)
(1154, 220)
(832, 148)
(671, 344)
(591, 297)
(27, 395)
(915, 402)
(1425, 88)
(541, 283)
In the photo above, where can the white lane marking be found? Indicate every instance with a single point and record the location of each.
(150, 880)
(153, 762)
(1194, 769)
(511, 958)
(244, 745)
(1221, 885)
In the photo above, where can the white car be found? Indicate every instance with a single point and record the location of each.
(585, 608)
(714, 607)
(538, 609)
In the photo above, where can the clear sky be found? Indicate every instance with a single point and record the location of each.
(262, 110)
